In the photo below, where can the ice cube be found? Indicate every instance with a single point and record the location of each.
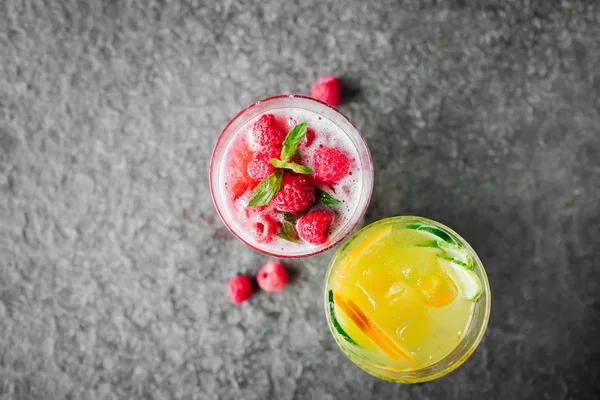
(395, 292)
(421, 336)
(415, 263)
(421, 271)
(396, 288)
(438, 289)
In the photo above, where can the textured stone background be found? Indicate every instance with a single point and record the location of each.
(482, 115)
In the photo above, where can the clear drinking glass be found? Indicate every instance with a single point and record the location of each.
(307, 104)
(382, 260)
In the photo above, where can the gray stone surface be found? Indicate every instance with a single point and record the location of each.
(113, 264)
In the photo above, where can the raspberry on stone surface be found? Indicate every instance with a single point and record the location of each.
(272, 277)
(240, 289)
(328, 89)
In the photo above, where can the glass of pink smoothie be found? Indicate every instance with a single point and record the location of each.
(270, 228)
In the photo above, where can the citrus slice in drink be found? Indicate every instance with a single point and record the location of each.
(371, 330)
(360, 252)
(364, 247)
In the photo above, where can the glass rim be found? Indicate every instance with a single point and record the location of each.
(450, 361)
(353, 220)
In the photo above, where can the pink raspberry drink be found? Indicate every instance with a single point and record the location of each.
(290, 176)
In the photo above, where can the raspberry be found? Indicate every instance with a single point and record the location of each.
(238, 180)
(260, 167)
(328, 88)
(312, 179)
(265, 229)
(309, 138)
(296, 194)
(240, 289)
(331, 165)
(272, 277)
(313, 225)
(267, 132)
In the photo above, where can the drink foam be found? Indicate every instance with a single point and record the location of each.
(348, 190)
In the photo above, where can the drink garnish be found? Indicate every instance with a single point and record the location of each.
(381, 234)
(295, 194)
(266, 132)
(260, 167)
(267, 189)
(459, 264)
(312, 227)
(264, 229)
(297, 168)
(288, 232)
(335, 322)
(438, 233)
(441, 240)
(467, 281)
(331, 164)
(264, 192)
(372, 331)
(325, 198)
(293, 138)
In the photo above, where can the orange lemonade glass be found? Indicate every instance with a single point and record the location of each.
(407, 299)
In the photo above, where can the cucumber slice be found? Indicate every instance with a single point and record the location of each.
(450, 259)
(441, 240)
(466, 280)
(335, 322)
(438, 233)
(456, 254)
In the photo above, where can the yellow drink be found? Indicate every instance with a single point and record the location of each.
(407, 299)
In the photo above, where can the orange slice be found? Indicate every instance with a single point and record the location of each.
(372, 331)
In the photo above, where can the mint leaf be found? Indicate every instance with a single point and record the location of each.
(278, 163)
(293, 138)
(325, 198)
(297, 168)
(265, 190)
(288, 232)
(287, 216)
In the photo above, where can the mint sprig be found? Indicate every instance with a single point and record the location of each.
(264, 192)
(293, 138)
(297, 168)
(267, 189)
(288, 232)
(325, 198)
